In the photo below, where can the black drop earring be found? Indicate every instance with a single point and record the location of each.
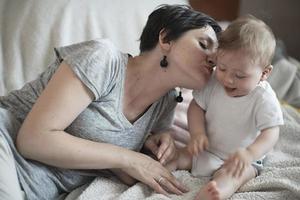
(179, 98)
(164, 63)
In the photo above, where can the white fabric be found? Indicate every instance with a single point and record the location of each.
(233, 122)
(278, 180)
(8, 173)
(205, 164)
(30, 29)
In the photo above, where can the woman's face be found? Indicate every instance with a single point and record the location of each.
(192, 55)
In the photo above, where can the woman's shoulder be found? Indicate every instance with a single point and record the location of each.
(97, 63)
(105, 46)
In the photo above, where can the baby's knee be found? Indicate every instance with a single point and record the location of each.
(183, 161)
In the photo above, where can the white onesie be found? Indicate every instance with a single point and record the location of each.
(233, 122)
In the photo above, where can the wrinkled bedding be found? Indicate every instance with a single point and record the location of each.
(278, 180)
(281, 174)
(30, 29)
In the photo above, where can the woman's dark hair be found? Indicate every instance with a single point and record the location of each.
(175, 20)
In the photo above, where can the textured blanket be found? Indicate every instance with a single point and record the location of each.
(280, 179)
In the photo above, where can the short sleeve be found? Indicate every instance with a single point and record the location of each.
(167, 112)
(202, 96)
(93, 63)
(268, 112)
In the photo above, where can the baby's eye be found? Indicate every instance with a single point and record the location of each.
(202, 45)
(240, 76)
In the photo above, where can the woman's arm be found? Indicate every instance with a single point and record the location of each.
(42, 136)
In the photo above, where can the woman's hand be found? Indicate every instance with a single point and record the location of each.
(152, 173)
(124, 177)
(162, 146)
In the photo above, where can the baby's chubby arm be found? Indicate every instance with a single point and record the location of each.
(243, 157)
(264, 142)
(196, 126)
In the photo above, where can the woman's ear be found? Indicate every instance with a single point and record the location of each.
(163, 43)
(266, 72)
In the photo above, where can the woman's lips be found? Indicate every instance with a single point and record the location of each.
(209, 69)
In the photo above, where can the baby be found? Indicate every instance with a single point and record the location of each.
(234, 121)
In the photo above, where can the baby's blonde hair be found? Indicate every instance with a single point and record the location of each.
(251, 35)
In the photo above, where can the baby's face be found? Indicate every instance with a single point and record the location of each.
(238, 74)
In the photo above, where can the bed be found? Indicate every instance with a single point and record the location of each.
(31, 29)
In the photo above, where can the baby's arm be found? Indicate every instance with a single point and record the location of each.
(196, 125)
(264, 143)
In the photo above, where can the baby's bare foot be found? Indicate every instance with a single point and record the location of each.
(209, 192)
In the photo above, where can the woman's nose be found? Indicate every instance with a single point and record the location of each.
(211, 61)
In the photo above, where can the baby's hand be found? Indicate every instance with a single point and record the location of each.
(197, 144)
(237, 162)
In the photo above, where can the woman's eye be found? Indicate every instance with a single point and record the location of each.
(203, 46)
(221, 69)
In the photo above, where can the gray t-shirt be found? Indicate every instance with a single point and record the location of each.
(101, 67)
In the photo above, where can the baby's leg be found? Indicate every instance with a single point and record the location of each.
(183, 161)
(224, 185)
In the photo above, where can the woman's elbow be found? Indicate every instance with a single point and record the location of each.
(25, 143)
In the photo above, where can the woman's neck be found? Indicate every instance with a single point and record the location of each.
(145, 83)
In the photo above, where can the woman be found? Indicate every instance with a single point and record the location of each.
(93, 108)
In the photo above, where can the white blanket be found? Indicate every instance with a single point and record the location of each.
(30, 29)
(280, 178)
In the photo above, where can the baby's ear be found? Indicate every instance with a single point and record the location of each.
(266, 72)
